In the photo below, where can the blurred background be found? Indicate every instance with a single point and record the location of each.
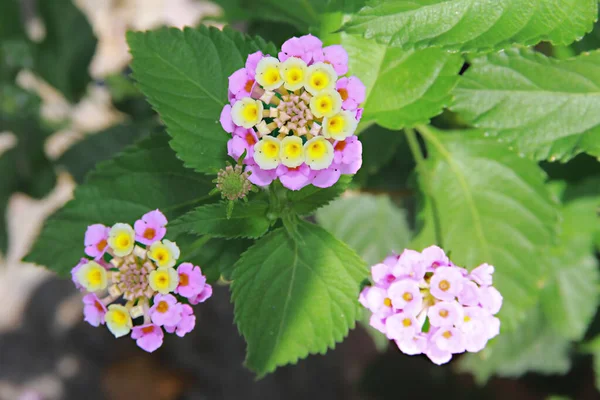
(66, 103)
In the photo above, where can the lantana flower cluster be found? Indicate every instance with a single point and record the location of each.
(132, 276)
(294, 116)
(430, 306)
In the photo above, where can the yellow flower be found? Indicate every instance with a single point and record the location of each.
(319, 153)
(320, 76)
(164, 280)
(293, 71)
(267, 73)
(292, 152)
(92, 276)
(121, 239)
(164, 254)
(340, 126)
(326, 103)
(266, 152)
(247, 112)
(118, 320)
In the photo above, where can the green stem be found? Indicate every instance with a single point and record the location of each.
(190, 202)
(415, 148)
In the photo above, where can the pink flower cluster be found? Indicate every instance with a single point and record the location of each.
(295, 115)
(430, 306)
(132, 276)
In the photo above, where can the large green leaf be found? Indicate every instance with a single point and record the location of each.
(248, 220)
(142, 178)
(371, 225)
(478, 25)
(310, 198)
(293, 299)
(83, 156)
(10, 20)
(64, 55)
(404, 88)
(570, 298)
(533, 347)
(593, 347)
(24, 167)
(486, 204)
(543, 107)
(184, 75)
(216, 257)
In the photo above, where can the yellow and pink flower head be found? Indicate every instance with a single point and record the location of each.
(295, 116)
(133, 283)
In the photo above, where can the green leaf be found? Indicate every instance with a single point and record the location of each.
(379, 147)
(404, 88)
(10, 20)
(308, 199)
(25, 167)
(293, 300)
(543, 107)
(248, 220)
(533, 347)
(486, 204)
(64, 55)
(570, 298)
(225, 253)
(593, 347)
(184, 75)
(83, 156)
(371, 225)
(142, 178)
(474, 25)
(215, 257)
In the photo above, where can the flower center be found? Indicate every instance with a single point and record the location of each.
(120, 317)
(406, 322)
(387, 302)
(147, 329)
(184, 280)
(444, 285)
(447, 334)
(443, 313)
(123, 241)
(101, 245)
(162, 307)
(149, 233)
(99, 306)
(340, 146)
(250, 139)
(407, 296)
(249, 85)
(132, 278)
(343, 93)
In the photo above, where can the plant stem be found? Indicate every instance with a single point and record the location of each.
(417, 153)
